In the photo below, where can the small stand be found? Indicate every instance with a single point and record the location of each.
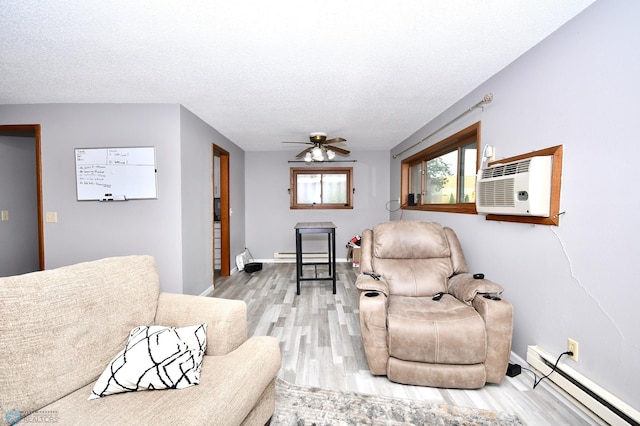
(316, 228)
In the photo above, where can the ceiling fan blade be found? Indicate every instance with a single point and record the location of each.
(302, 154)
(340, 150)
(304, 143)
(335, 140)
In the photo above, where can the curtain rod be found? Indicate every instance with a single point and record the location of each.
(322, 162)
(487, 98)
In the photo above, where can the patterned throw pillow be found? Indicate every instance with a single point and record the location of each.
(155, 357)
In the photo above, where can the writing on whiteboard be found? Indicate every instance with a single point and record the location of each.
(95, 174)
(130, 172)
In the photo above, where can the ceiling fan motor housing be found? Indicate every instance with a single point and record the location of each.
(318, 137)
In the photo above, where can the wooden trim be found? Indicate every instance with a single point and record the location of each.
(556, 181)
(32, 130)
(458, 139)
(39, 198)
(466, 208)
(225, 238)
(294, 171)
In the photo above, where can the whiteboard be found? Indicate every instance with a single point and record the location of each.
(116, 173)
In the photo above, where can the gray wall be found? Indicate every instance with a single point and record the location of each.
(578, 88)
(270, 221)
(175, 228)
(18, 235)
(197, 197)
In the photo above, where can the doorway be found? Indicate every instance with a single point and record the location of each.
(221, 229)
(28, 134)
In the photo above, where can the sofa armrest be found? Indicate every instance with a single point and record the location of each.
(464, 287)
(365, 282)
(226, 319)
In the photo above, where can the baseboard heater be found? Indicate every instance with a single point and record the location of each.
(589, 396)
(291, 255)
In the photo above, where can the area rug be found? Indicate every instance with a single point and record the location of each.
(311, 406)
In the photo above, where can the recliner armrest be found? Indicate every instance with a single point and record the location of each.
(464, 287)
(365, 282)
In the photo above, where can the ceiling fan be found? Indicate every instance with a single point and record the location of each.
(321, 148)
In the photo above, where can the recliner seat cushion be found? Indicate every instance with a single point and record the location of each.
(439, 332)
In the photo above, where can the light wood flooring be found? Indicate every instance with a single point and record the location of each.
(321, 345)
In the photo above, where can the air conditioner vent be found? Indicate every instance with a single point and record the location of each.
(518, 188)
(497, 193)
(507, 169)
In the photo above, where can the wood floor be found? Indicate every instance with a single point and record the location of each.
(321, 345)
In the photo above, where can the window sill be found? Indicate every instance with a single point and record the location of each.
(466, 208)
(320, 207)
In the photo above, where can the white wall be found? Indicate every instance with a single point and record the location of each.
(91, 230)
(19, 235)
(578, 88)
(270, 221)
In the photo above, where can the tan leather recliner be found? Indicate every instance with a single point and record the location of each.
(462, 340)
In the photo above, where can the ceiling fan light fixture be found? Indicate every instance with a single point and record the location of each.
(321, 149)
(316, 153)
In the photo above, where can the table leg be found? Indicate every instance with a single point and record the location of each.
(329, 252)
(298, 260)
(333, 258)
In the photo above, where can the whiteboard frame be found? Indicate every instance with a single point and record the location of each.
(98, 167)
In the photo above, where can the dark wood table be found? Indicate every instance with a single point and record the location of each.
(328, 228)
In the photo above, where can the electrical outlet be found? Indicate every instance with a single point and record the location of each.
(52, 217)
(572, 346)
(5, 215)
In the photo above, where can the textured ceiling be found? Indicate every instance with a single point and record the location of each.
(262, 72)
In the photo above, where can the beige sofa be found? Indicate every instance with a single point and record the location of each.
(60, 328)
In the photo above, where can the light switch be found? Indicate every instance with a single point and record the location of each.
(5, 215)
(52, 217)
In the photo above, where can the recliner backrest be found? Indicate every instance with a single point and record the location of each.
(413, 257)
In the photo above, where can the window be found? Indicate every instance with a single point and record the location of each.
(442, 177)
(321, 188)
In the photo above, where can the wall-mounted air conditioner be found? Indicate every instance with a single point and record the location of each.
(521, 188)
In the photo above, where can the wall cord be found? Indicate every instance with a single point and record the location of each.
(536, 380)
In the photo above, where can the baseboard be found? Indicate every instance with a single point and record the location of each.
(555, 390)
(207, 292)
(271, 260)
(584, 393)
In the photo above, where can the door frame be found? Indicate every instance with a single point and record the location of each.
(225, 255)
(32, 130)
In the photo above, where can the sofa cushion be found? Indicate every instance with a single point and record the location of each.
(60, 327)
(446, 331)
(230, 386)
(155, 357)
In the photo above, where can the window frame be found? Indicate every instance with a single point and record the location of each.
(452, 143)
(293, 189)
